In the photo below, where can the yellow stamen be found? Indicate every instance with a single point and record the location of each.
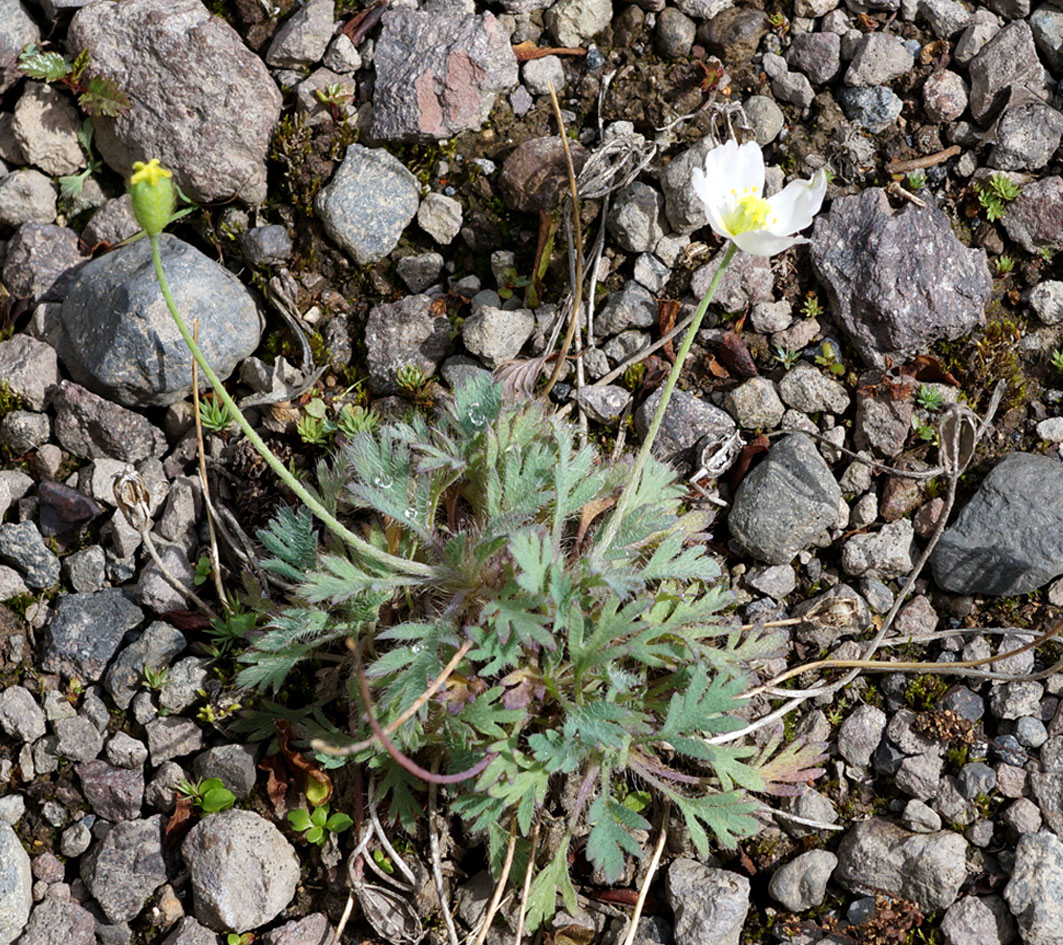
(150, 172)
(750, 213)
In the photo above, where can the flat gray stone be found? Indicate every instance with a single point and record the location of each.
(126, 867)
(29, 368)
(1034, 893)
(18, 29)
(92, 427)
(16, 885)
(58, 920)
(710, 905)
(22, 547)
(86, 630)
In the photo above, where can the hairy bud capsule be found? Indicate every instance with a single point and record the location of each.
(151, 187)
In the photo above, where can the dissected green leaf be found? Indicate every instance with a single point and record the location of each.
(545, 886)
(610, 836)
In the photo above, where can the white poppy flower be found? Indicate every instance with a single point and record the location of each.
(731, 187)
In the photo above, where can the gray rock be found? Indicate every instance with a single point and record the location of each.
(20, 716)
(16, 885)
(809, 805)
(154, 592)
(540, 74)
(440, 217)
(802, 883)
(918, 775)
(22, 547)
(817, 55)
(91, 427)
(682, 206)
(85, 632)
(22, 431)
(304, 36)
(126, 867)
(710, 905)
(234, 764)
(946, 17)
(266, 245)
(675, 33)
(438, 75)
(687, 419)
(124, 751)
(860, 734)
(26, 196)
(1008, 539)
(1007, 61)
(879, 58)
(314, 929)
(630, 307)
(46, 128)
(242, 869)
(404, 334)
(944, 96)
(171, 737)
(112, 223)
(77, 739)
(1022, 816)
(420, 270)
(777, 580)
(793, 87)
(755, 404)
(1031, 732)
(1034, 893)
(970, 921)
(874, 108)
(1034, 219)
(496, 335)
(809, 390)
(205, 105)
(113, 793)
(183, 683)
(575, 22)
(156, 647)
(983, 27)
(897, 281)
(1046, 23)
(766, 118)
(605, 404)
(747, 281)
(57, 920)
(190, 932)
(18, 29)
(120, 339)
(919, 818)
(41, 261)
(925, 868)
(636, 217)
(785, 502)
(29, 368)
(1013, 700)
(1027, 135)
(650, 272)
(368, 203)
(884, 554)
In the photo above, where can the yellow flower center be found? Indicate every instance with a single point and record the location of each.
(749, 213)
(149, 173)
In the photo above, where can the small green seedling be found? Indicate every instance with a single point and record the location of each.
(1057, 360)
(812, 307)
(215, 416)
(155, 677)
(930, 398)
(1004, 264)
(787, 357)
(209, 794)
(995, 194)
(916, 181)
(316, 826)
(203, 570)
(828, 358)
(224, 632)
(235, 938)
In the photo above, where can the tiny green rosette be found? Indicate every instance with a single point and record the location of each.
(151, 187)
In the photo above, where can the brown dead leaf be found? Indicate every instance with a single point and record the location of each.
(528, 50)
(276, 782)
(928, 370)
(302, 767)
(180, 822)
(667, 312)
(746, 457)
(359, 25)
(715, 368)
(589, 513)
(186, 620)
(735, 356)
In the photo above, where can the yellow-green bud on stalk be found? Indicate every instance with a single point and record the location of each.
(151, 188)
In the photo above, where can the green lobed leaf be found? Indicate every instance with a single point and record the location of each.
(49, 66)
(299, 819)
(547, 884)
(610, 836)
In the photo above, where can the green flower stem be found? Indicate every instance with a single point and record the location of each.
(613, 526)
(315, 506)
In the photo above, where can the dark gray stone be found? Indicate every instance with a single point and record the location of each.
(817, 55)
(266, 245)
(710, 905)
(234, 764)
(314, 929)
(23, 430)
(113, 793)
(1026, 135)
(18, 29)
(243, 870)
(172, 737)
(879, 58)
(802, 883)
(77, 739)
(636, 216)
(1008, 61)
(90, 427)
(56, 921)
(900, 281)
(22, 547)
(41, 262)
(205, 105)
(126, 867)
(1034, 219)
(120, 339)
(404, 334)
(874, 108)
(156, 647)
(1008, 539)
(190, 932)
(29, 368)
(437, 75)
(85, 632)
(785, 502)
(370, 200)
(682, 206)
(926, 868)
(686, 420)
(630, 307)
(535, 174)
(1046, 23)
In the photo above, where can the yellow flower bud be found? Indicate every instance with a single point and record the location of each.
(151, 187)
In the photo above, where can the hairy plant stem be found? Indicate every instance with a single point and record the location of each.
(613, 525)
(304, 495)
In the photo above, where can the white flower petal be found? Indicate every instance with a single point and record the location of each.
(796, 205)
(764, 242)
(748, 169)
(709, 186)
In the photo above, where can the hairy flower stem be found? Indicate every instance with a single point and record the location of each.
(613, 526)
(312, 503)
